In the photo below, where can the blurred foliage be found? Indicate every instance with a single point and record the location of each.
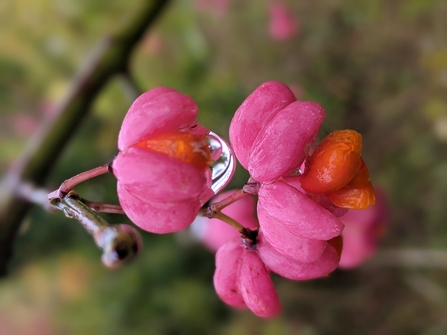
(377, 66)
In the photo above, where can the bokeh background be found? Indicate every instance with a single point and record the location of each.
(376, 66)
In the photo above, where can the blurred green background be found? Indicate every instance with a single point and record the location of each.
(376, 66)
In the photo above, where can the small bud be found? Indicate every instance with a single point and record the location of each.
(120, 244)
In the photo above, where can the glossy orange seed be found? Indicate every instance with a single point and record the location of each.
(334, 162)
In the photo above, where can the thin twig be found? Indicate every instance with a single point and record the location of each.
(73, 207)
(119, 243)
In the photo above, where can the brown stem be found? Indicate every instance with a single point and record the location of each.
(232, 222)
(40, 156)
(411, 258)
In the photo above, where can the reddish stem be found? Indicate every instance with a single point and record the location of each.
(218, 206)
(68, 184)
(215, 210)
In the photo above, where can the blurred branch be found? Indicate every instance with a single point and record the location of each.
(130, 86)
(426, 288)
(411, 258)
(39, 157)
(34, 195)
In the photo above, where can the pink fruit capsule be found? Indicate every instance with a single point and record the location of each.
(254, 114)
(163, 167)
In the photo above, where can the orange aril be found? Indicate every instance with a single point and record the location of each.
(189, 148)
(354, 198)
(361, 178)
(337, 169)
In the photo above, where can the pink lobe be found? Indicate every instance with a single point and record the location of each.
(156, 176)
(293, 269)
(231, 244)
(256, 286)
(321, 199)
(228, 260)
(281, 145)
(288, 243)
(160, 217)
(160, 109)
(297, 212)
(254, 113)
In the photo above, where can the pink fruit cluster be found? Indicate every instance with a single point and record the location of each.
(164, 176)
(272, 134)
(361, 235)
(242, 277)
(163, 165)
